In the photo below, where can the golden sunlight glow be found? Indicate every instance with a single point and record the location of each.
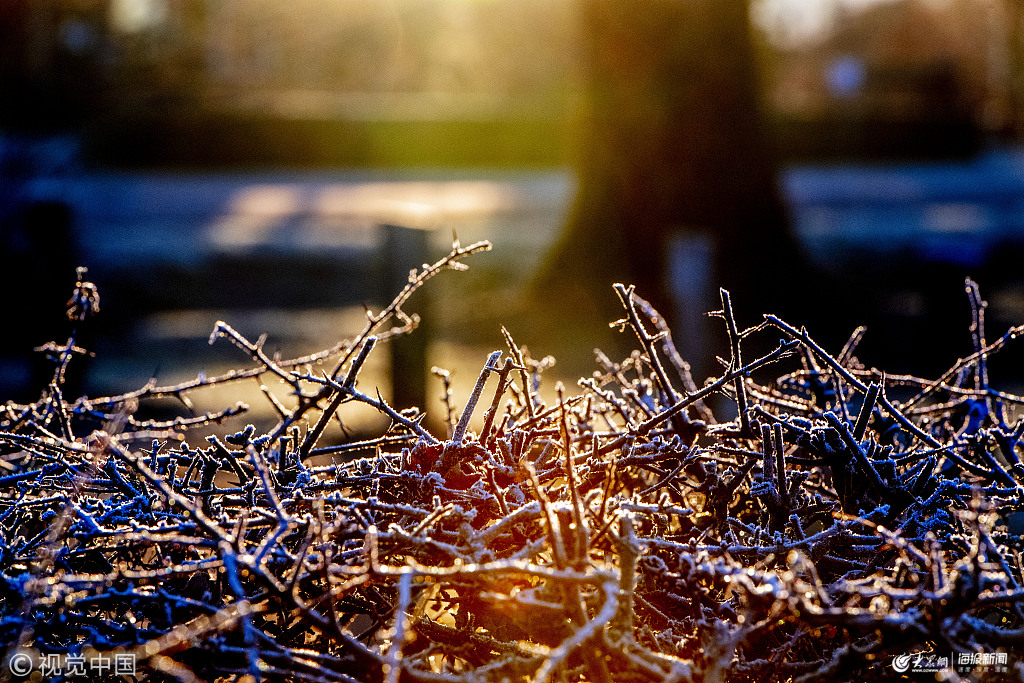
(346, 214)
(131, 16)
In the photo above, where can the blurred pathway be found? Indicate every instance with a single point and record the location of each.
(181, 218)
(957, 212)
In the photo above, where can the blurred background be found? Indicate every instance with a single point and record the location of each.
(841, 162)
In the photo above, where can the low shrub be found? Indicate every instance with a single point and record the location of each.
(839, 524)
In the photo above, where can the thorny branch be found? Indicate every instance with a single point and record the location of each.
(838, 517)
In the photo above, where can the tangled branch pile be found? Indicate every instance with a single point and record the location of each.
(623, 533)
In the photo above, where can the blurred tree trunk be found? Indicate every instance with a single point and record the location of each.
(1014, 18)
(671, 141)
